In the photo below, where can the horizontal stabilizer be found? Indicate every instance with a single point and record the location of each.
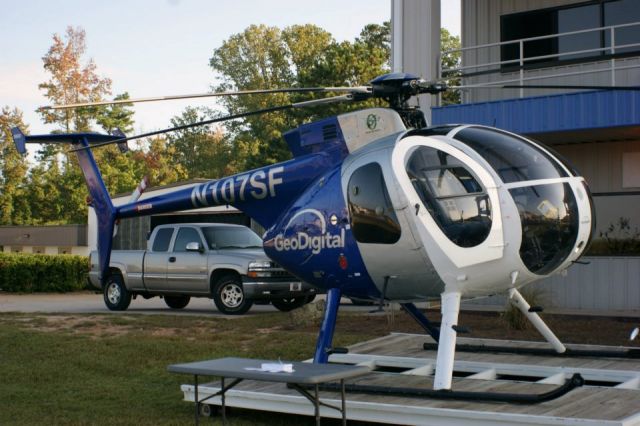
(20, 139)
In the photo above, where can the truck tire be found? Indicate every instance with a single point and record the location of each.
(177, 302)
(229, 296)
(289, 303)
(116, 295)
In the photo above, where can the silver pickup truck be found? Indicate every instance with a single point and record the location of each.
(219, 261)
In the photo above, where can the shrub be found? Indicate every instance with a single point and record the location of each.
(30, 273)
(513, 317)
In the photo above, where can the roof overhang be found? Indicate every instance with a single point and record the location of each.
(565, 118)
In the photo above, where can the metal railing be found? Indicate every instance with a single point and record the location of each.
(519, 64)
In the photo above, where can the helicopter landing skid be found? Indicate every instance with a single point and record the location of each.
(573, 382)
(569, 353)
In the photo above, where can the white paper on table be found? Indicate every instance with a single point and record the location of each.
(273, 367)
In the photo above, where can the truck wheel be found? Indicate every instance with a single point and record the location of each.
(229, 297)
(177, 302)
(116, 295)
(289, 303)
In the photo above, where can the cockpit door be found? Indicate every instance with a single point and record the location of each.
(458, 211)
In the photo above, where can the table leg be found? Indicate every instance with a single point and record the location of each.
(224, 414)
(196, 400)
(344, 405)
(317, 405)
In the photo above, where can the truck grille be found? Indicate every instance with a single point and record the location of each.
(282, 274)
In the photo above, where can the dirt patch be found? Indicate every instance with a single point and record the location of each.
(268, 330)
(91, 325)
(490, 325)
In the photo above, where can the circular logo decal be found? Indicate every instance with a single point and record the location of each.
(372, 121)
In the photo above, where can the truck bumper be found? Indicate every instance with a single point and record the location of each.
(267, 290)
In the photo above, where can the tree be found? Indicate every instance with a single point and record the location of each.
(45, 193)
(116, 116)
(71, 81)
(301, 55)
(157, 162)
(203, 152)
(451, 60)
(13, 169)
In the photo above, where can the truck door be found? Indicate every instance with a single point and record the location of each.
(187, 270)
(155, 260)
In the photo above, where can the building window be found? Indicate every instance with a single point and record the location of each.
(567, 19)
(373, 219)
(38, 250)
(630, 170)
(16, 249)
(64, 250)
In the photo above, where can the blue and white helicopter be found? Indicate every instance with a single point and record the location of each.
(376, 205)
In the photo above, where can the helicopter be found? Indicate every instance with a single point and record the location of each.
(377, 205)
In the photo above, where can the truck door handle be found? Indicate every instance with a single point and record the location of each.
(172, 259)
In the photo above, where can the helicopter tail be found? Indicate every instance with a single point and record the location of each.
(100, 199)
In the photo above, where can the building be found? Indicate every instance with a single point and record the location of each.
(56, 239)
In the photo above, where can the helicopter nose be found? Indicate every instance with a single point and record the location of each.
(550, 220)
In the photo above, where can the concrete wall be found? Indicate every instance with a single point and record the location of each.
(415, 37)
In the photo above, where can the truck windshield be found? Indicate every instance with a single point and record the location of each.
(231, 238)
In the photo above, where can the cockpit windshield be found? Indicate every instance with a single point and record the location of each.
(513, 158)
(548, 210)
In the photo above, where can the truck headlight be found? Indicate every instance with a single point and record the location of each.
(259, 269)
(259, 265)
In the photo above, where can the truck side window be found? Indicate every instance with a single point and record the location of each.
(186, 236)
(163, 238)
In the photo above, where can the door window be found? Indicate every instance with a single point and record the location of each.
(373, 219)
(452, 195)
(186, 236)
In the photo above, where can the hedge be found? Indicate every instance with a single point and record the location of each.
(30, 273)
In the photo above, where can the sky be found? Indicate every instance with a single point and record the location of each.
(158, 47)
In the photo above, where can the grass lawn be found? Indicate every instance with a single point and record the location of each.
(111, 369)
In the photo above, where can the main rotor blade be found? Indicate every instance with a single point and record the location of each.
(303, 104)
(357, 89)
(547, 86)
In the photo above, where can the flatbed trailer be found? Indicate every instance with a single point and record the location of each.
(610, 394)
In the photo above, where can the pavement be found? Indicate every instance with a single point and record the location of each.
(90, 302)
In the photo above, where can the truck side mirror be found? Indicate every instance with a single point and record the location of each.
(194, 246)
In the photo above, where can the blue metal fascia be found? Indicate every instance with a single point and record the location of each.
(552, 113)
